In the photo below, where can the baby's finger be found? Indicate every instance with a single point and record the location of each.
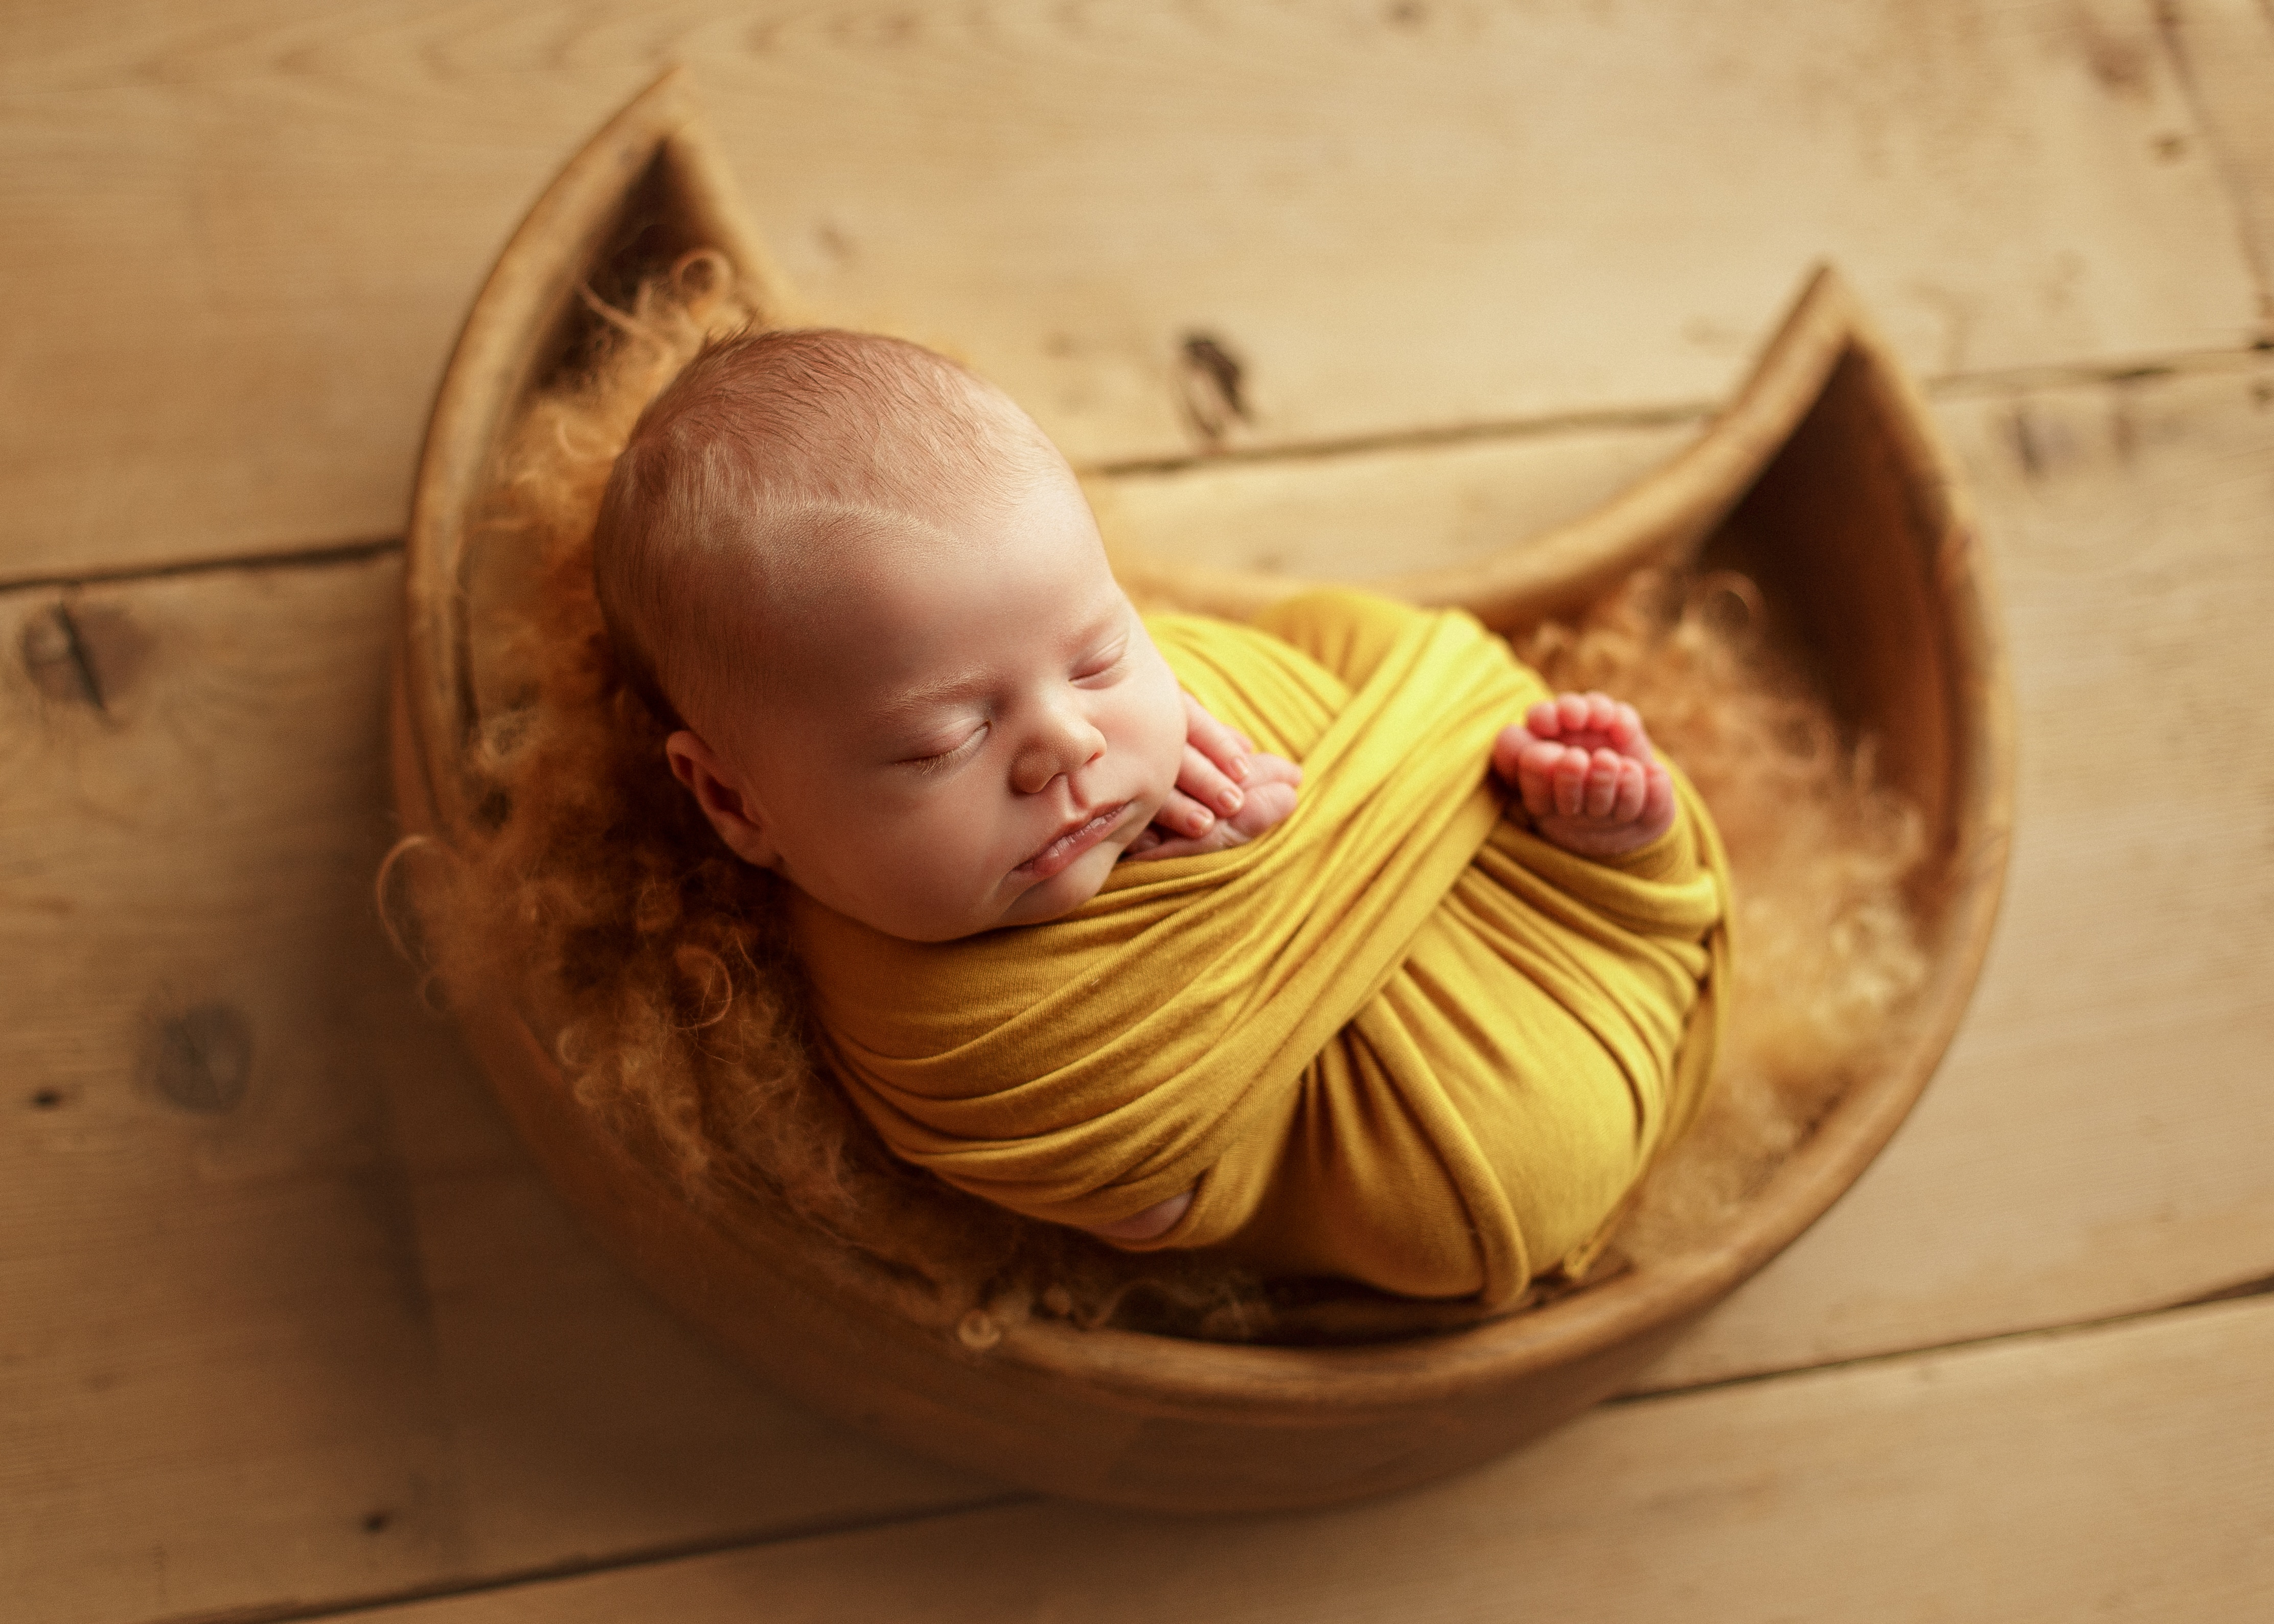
(1201, 778)
(1265, 768)
(1634, 783)
(1571, 772)
(1223, 748)
(1181, 814)
(1535, 780)
(1267, 807)
(1519, 757)
(1602, 783)
(1658, 796)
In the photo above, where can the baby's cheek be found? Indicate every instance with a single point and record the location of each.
(1161, 730)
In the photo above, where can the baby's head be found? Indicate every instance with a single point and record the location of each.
(867, 593)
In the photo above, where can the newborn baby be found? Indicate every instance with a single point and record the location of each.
(871, 600)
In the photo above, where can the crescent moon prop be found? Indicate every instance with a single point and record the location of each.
(1823, 479)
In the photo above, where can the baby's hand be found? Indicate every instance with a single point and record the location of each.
(1250, 790)
(1582, 765)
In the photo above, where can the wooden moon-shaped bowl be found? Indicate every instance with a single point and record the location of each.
(1823, 479)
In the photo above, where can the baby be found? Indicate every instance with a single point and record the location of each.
(871, 599)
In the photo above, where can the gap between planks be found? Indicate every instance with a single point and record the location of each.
(1391, 214)
(664, 1558)
(554, 1573)
(2106, 521)
(2117, 1469)
(2016, 381)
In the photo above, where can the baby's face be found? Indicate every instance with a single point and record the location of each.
(965, 724)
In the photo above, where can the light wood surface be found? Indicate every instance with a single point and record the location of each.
(2126, 1001)
(227, 1339)
(1395, 510)
(2113, 1472)
(350, 1295)
(286, 1317)
(1821, 476)
(2223, 53)
(246, 232)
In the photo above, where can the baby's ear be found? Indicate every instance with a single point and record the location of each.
(719, 789)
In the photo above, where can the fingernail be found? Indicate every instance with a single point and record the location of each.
(1230, 800)
(1240, 769)
(1202, 819)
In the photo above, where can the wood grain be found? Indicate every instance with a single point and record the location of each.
(1851, 521)
(284, 1317)
(1394, 511)
(2224, 53)
(2125, 1471)
(237, 241)
(232, 1337)
(270, 1266)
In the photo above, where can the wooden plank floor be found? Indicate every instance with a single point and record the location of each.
(287, 1324)
(243, 234)
(1950, 1484)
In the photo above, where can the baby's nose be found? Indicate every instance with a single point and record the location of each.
(1062, 744)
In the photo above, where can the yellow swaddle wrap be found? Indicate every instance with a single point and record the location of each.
(1397, 1038)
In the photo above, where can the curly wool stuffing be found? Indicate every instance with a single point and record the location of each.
(591, 895)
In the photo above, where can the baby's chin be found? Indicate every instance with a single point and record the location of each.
(1076, 884)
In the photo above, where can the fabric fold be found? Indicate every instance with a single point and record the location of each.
(1397, 1038)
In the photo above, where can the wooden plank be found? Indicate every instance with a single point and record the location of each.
(2226, 53)
(284, 1317)
(236, 244)
(2126, 1471)
(2095, 1143)
(346, 1295)
(1360, 516)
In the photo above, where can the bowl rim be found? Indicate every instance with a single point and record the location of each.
(1662, 516)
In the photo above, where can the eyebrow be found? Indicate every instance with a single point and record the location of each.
(918, 696)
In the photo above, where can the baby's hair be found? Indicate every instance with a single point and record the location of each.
(767, 453)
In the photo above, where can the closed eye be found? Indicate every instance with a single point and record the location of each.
(939, 761)
(1105, 668)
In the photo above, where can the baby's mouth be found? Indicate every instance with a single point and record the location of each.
(1070, 843)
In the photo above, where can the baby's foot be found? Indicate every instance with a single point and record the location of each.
(1582, 766)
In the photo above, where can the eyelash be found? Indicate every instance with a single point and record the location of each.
(1104, 667)
(944, 758)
